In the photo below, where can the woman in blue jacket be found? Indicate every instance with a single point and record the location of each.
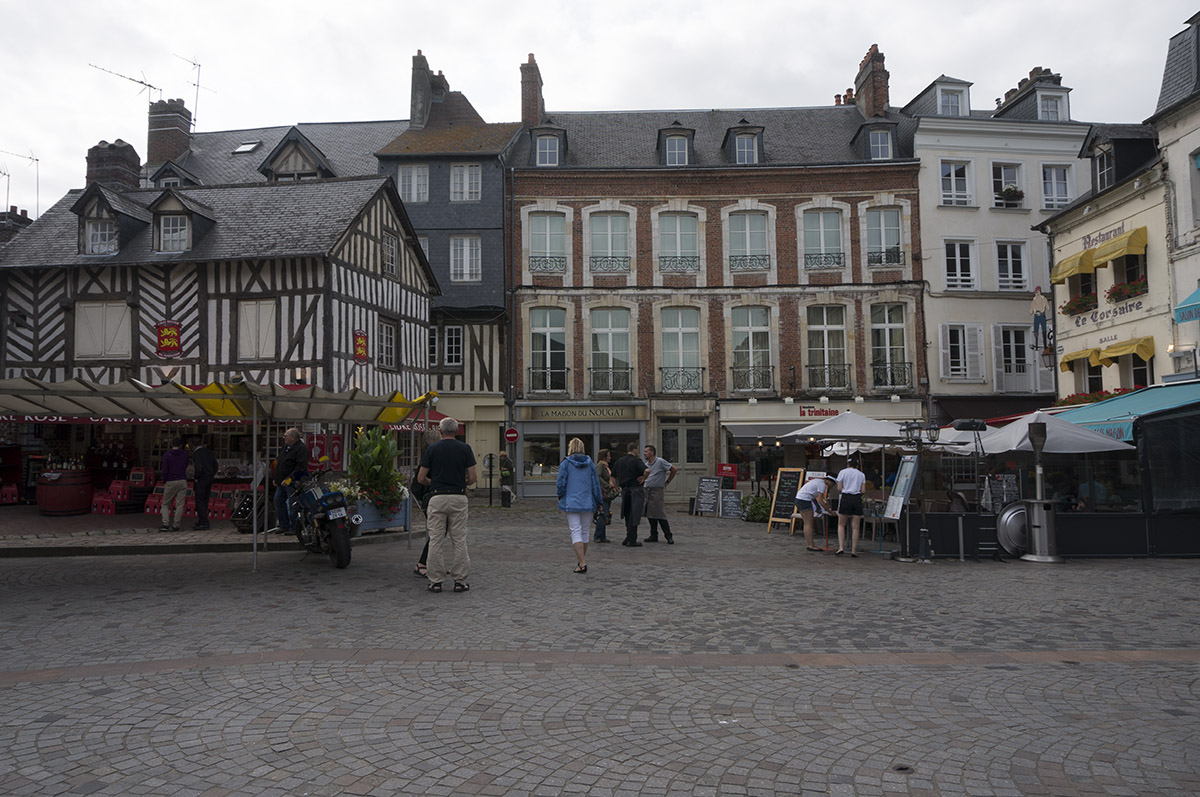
(578, 495)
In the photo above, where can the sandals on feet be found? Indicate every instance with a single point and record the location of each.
(419, 570)
(839, 552)
(580, 569)
(853, 556)
(814, 550)
(435, 587)
(461, 586)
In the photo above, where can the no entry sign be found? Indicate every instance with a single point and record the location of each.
(511, 435)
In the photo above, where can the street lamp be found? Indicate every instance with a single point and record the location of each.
(1185, 352)
(916, 434)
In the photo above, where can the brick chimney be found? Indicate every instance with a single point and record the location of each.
(422, 93)
(116, 165)
(533, 107)
(170, 134)
(13, 222)
(871, 84)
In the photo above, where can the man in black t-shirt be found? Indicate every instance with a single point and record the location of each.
(447, 469)
(630, 472)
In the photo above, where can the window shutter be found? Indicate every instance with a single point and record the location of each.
(1045, 376)
(247, 330)
(974, 335)
(998, 359)
(944, 334)
(266, 331)
(89, 330)
(116, 329)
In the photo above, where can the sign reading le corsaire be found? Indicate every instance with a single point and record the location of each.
(582, 413)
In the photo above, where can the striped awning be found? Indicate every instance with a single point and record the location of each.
(1071, 265)
(1091, 355)
(1142, 347)
(1131, 243)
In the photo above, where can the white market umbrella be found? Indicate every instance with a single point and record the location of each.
(1062, 437)
(852, 427)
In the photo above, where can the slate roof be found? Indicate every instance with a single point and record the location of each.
(1181, 75)
(1115, 132)
(629, 139)
(348, 147)
(454, 128)
(254, 220)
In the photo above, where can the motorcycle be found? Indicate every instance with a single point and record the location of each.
(321, 522)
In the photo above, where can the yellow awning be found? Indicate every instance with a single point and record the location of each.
(1142, 347)
(1069, 266)
(1131, 243)
(1091, 355)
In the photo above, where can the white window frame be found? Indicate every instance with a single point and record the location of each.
(961, 264)
(465, 182)
(169, 182)
(880, 144)
(1053, 199)
(610, 345)
(547, 150)
(100, 236)
(1052, 106)
(888, 328)
(831, 350)
(412, 182)
(174, 239)
(423, 242)
(547, 235)
(1106, 168)
(1016, 365)
(962, 352)
(746, 148)
(751, 344)
(385, 347)
(466, 264)
(433, 346)
(452, 347)
(881, 232)
(389, 252)
(547, 327)
(103, 330)
(1008, 278)
(817, 238)
(681, 340)
(676, 150)
(674, 242)
(745, 239)
(607, 241)
(1001, 172)
(944, 95)
(955, 181)
(258, 330)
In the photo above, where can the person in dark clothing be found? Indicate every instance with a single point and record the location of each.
(447, 468)
(204, 471)
(174, 476)
(630, 473)
(293, 458)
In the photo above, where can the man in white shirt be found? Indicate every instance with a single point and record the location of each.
(850, 481)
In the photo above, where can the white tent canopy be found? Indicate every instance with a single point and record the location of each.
(1062, 437)
(850, 426)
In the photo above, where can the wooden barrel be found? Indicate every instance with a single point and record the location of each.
(64, 492)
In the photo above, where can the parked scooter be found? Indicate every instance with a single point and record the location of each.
(321, 523)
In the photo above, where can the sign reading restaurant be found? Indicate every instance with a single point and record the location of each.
(1090, 241)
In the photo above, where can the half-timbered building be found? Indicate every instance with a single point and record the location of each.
(316, 282)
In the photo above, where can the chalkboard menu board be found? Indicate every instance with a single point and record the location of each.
(708, 494)
(728, 483)
(787, 484)
(731, 503)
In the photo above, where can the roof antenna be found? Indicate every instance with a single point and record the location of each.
(37, 177)
(196, 83)
(141, 82)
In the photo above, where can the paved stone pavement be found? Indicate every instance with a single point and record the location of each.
(733, 662)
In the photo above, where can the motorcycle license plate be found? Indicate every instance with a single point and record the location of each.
(338, 511)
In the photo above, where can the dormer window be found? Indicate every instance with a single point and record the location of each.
(881, 144)
(547, 150)
(101, 237)
(952, 102)
(677, 150)
(173, 233)
(1052, 107)
(169, 182)
(1105, 169)
(246, 147)
(747, 148)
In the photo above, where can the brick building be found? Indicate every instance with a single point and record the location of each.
(707, 281)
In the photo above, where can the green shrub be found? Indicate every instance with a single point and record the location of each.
(756, 508)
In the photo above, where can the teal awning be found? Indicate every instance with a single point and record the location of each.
(1188, 309)
(1114, 417)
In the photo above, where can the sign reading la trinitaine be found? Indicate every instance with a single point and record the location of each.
(1096, 316)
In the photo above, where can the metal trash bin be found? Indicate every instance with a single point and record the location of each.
(1040, 537)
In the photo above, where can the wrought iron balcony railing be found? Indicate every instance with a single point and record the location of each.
(682, 380)
(886, 257)
(833, 378)
(825, 260)
(612, 380)
(547, 380)
(678, 262)
(753, 377)
(609, 263)
(892, 375)
(749, 262)
(552, 264)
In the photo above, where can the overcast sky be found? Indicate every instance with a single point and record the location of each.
(302, 61)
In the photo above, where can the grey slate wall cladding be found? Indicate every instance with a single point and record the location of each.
(1181, 75)
(439, 219)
